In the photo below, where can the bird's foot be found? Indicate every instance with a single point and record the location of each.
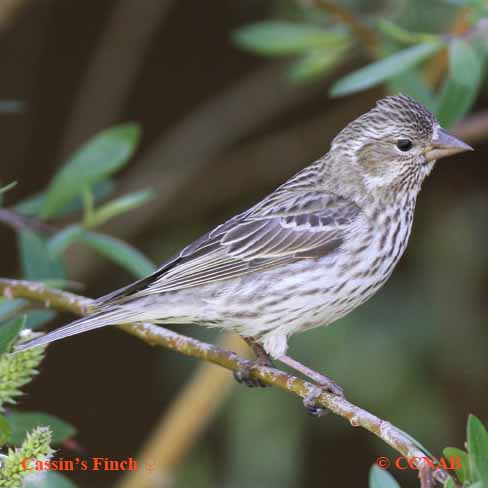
(310, 400)
(329, 386)
(243, 375)
(324, 382)
(310, 403)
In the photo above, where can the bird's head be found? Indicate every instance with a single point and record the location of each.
(396, 144)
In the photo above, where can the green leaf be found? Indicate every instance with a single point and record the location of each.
(63, 239)
(9, 308)
(99, 158)
(36, 260)
(397, 33)
(37, 318)
(478, 484)
(119, 206)
(314, 64)
(49, 479)
(449, 483)
(9, 331)
(380, 478)
(275, 38)
(5, 431)
(8, 187)
(462, 84)
(32, 206)
(24, 422)
(5, 189)
(458, 454)
(478, 448)
(121, 253)
(386, 68)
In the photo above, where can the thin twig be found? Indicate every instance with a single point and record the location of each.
(20, 222)
(159, 336)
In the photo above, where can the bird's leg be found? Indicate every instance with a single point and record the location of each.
(323, 382)
(262, 359)
(318, 378)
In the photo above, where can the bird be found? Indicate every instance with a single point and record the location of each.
(307, 254)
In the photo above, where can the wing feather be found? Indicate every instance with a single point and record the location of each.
(285, 227)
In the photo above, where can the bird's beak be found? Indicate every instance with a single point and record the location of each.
(444, 144)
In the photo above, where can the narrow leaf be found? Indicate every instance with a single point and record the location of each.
(386, 68)
(9, 331)
(8, 187)
(314, 64)
(119, 206)
(478, 448)
(9, 308)
(63, 239)
(453, 454)
(380, 478)
(121, 253)
(36, 260)
(37, 318)
(5, 189)
(32, 206)
(102, 156)
(5, 431)
(397, 33)
(23, 422)
(462, 84)
(276, 38)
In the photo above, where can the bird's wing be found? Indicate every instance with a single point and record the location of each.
(285, 227)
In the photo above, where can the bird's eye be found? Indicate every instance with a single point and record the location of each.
(404, 144)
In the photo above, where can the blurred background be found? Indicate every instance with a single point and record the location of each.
(221, 127)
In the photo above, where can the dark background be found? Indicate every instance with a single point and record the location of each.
(220, 129)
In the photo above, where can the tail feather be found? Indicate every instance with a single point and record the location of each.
(101, 319)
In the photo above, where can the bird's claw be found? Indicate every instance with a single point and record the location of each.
(243, 376)
(310, 403)
(331, 387)
(310, 400)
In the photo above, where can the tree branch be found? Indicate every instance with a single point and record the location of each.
(159, 336)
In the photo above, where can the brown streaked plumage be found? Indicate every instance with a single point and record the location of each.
(307, 254)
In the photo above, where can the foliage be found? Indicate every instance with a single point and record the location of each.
(399, 56)
(79, 190)
(36, 446)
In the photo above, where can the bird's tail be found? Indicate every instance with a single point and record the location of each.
(117, 315)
